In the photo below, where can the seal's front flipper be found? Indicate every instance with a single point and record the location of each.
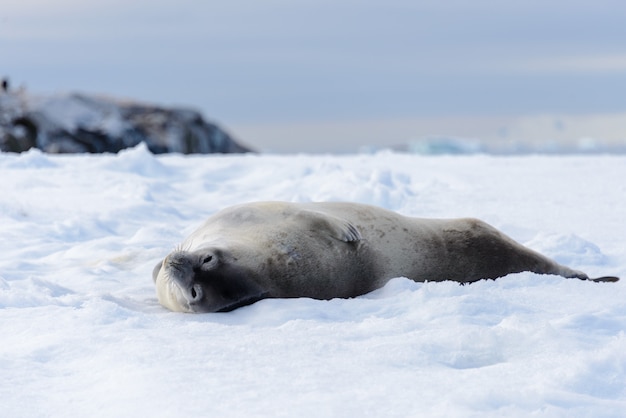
(605, 279)
(347, 232)
(338, 228)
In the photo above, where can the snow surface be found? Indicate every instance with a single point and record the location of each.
(83, 334)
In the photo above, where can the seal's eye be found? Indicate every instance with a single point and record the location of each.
(207, 259)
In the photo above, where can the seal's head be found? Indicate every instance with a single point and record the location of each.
(205, 280)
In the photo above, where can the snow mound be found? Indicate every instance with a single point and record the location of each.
(84, 335)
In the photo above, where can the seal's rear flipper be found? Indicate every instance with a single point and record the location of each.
(605, 279)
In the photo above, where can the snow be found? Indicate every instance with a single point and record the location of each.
(84, 335)
(80, 111)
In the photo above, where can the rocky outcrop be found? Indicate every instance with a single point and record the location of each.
(73, 123)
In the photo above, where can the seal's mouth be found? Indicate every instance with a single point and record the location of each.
(193, 299)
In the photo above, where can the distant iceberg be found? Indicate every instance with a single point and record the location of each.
(441, 145)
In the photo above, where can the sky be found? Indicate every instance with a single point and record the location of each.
(287, 75)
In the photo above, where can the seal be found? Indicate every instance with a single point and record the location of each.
(260, 250)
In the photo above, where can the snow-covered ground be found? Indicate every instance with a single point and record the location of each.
(83, 334)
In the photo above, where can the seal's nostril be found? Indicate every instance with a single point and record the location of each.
(193, 293)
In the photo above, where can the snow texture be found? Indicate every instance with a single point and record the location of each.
(84, 335)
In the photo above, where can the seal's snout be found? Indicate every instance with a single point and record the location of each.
(178, 262)
(182, 271)
(194, 294)
(190, 297)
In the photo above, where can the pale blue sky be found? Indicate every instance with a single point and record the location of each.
(245, 62)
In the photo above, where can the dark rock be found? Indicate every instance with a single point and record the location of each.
(77, 123)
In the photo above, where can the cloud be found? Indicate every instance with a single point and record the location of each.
(314, 58)
(597, 64)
